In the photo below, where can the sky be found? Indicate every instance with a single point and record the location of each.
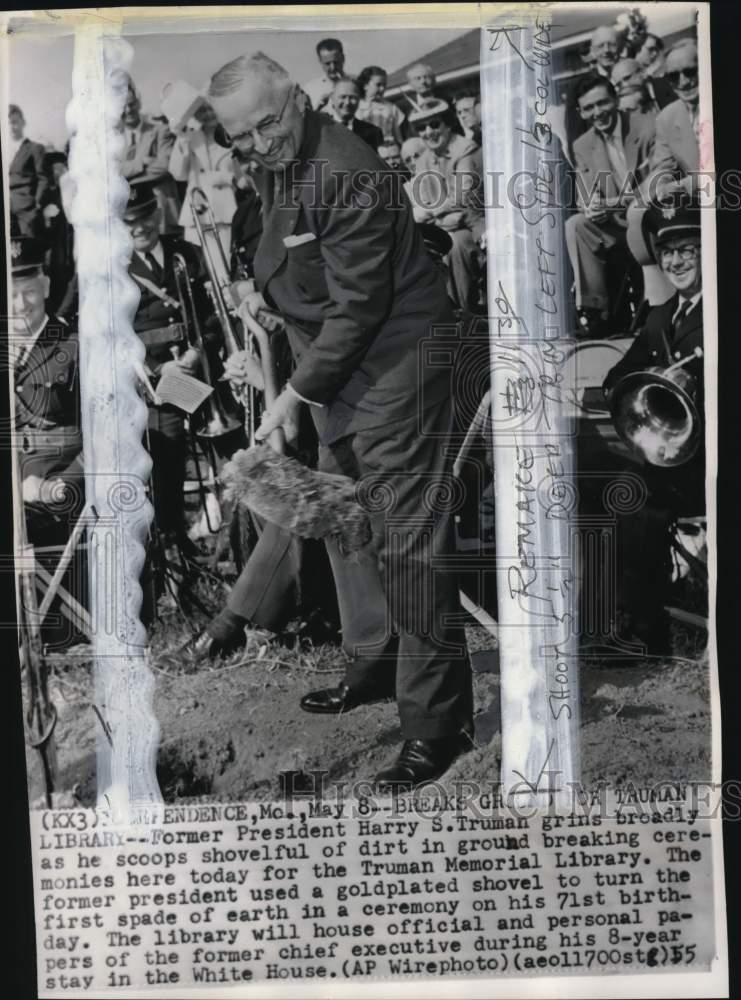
(161, 59)
(40, 69)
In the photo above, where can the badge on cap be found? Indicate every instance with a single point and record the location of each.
(669, 212)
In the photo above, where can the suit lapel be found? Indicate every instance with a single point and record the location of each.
(633, 133)
(17, 161)
(284, 207)
(685, 138)
(599, 154)
(688, 328)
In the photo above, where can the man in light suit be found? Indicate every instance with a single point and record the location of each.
(675, 162)
(347, 270)
(611, 159)
(148, 145)
(27, 179)
(676, 155)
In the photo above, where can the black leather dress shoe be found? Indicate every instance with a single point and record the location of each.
(334, 701)
(419, 761)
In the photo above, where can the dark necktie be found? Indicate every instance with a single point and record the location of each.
(154, 267)
(683, 310)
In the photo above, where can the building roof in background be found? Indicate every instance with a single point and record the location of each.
(461, 57)
(464, 53)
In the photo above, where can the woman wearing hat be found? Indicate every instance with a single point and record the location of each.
(198, 158)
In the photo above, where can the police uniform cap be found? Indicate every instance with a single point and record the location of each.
(142, 200)
(668, 222)
(26, 256)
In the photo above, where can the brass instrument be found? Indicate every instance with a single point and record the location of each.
(218, 288)
(655, 413)
(219, 414)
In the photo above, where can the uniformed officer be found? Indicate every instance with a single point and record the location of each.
(162, 328)
(43, 353)
(672, 332)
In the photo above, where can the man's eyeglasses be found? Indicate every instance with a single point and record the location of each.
(267, 129)
(432, 123)
(686, 253)
(690, 74)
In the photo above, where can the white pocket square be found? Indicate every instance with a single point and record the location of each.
(296, 241)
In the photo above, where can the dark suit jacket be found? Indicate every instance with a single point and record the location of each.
(359, 293)
(682, 488)
(27, 182)
(149, 159)
(660, 91)
(47, 406)
(593, 164)
(368, 132)
(152, 312)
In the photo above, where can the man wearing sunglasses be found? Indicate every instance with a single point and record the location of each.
(341, 259)
(675, 161)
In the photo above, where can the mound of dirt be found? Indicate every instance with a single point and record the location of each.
(230, 729)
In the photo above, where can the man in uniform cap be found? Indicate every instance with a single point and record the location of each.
(162, 328)
(43, 354)
(672, 333)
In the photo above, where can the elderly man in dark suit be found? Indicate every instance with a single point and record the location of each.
(347, 270)
(342, 107)
(611, 159)
(27, 178)
(673, 333)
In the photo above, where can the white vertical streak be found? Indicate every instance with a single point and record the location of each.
(113, 421)
(533, 449)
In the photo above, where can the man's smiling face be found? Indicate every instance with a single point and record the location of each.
(265, 120)
(599, 108)
(680, 261)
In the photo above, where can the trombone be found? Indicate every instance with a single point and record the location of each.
(218, 288)
(218, 415)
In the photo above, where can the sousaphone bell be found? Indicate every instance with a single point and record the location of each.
(655, 413)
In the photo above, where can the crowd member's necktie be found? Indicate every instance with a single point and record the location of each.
(617, 160)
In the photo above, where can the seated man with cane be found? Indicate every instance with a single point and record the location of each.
(350, 277)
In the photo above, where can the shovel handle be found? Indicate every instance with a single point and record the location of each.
(277, 438)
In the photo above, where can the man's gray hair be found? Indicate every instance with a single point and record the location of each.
(420, 65)
(234, 75)
(347, 79)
